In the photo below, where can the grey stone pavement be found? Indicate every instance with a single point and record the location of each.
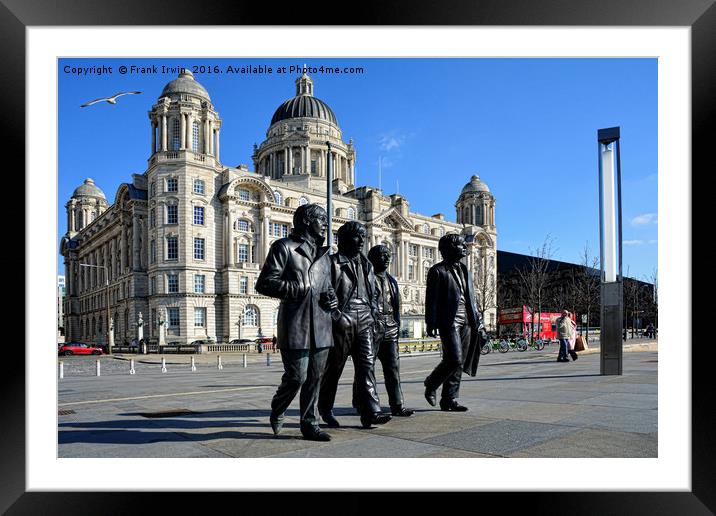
(521, 405)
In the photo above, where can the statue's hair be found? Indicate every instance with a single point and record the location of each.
(306, 214)
(376, 250)
(352, 227)
(447, 241)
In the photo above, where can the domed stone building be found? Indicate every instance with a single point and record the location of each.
(187, 238)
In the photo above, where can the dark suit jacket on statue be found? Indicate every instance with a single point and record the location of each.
(290, 275)
(442, 296)
(344, 283)
(395, 293)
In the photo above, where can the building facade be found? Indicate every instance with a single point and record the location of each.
(60, 308)
(186, 239)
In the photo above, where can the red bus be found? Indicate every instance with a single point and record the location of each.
(516, 322)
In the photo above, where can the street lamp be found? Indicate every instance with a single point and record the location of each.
(610, 235)
(106, 286)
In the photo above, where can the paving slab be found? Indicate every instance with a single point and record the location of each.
(594, 443)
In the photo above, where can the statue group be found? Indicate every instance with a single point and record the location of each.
(341, 304)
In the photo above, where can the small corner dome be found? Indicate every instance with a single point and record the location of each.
(475, 185)
(185, 83)
(89, 189)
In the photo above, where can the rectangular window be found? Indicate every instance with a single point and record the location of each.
(173, 314)
(172, 283)
(153, 285)
(199, 317)
(172, 214)
(411, 272)
(172, 184)
(243, 253)
(153, 321)
(313, 166)
(172, 248)
(413, 250)
(198, 283)
(153, 189)
(199, 186)
(152, 251)
(243, 285)
(195, 136)
(429, 253)
(279, 230)
(153, 218)
(199, 215)
(198, 248)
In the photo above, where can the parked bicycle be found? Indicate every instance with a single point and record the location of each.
(497, 345)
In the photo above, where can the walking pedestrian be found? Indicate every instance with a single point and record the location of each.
(564, 333)
(573, 338)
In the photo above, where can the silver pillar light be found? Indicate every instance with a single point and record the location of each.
(610, 236)
(329, 194)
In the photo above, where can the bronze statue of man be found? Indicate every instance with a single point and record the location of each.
(353, 319)
(451, 310)
(387, 326)
(297, 271)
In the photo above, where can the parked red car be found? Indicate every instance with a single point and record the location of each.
(79, 348)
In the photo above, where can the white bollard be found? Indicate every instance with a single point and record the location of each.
(244, 359)
(164, 365)
(98, 367)
(268, 359)
(218, 362)
(193, 365)
(62, 370)
(131, 366)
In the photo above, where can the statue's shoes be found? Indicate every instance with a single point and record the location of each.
(374, 419)
(316, 435)
(276, 424)
(330, 420)
(452, 406)
(402, 412)
(430, 395)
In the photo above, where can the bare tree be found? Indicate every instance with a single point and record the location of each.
(485, 284)
(587, 285)
(534, 278)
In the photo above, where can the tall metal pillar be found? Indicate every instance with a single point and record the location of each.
(610, 233)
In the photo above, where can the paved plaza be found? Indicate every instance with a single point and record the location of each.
(521, 405)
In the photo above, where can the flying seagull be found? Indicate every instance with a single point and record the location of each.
(112, 99)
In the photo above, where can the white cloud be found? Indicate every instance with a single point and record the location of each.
(389, 142)
(639, 242)
(644, 219)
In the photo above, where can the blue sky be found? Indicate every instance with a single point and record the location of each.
(527, 127)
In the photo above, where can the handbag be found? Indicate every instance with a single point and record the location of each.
(579, 343)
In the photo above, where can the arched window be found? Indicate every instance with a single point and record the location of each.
(195, 136)
(279, 197)
(351, 215)
(176, 134)
(302, 201)
(243, 225)
(251, 316)
(426, 229)
(441, 231)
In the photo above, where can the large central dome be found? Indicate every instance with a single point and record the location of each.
(304, 105)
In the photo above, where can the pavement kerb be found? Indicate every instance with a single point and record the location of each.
(254, 358)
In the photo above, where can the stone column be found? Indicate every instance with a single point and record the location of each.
(112, 259)
(189, 132)
(135, 243)
(290, 159)
(217, 143)
(182, 141)
(229, 238)
(286, 170)
(154, 137)
(207, 136)
(164, 132)
(303, 158)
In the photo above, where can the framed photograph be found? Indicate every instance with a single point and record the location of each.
(385, 76)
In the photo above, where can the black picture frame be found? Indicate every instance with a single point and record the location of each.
(699, 15)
